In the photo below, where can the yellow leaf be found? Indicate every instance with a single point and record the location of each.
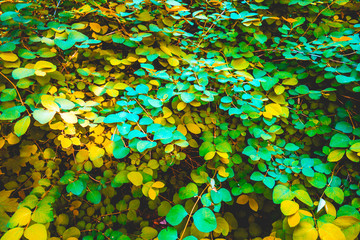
(152, 194)
(65, 142)
(173, 61)
(12, 139)
(330, 209)
(82, 156)
(305, 231)
(294, 219)
(2, 142)
(209, 155)
(120, 86)
(176, 9)
(95, 152)
(273, 109)
(240, 64)
(49, 103)
(181, 128)
(222, 154)
(95, 27)
(329, 231)
(75, 141)
(253, 204)
(21, 126)
(36, 232)
(8, 56)
(181, 106)
(169, 148)
(242, 199)
(341, 39)
(45, 66)
(155, 83)
(69, 117)
(193, 128)
(158, 184)
(21, 217)
(222, 171)
(288, 207)
(167, 112)
(289, 20)
(115, 61)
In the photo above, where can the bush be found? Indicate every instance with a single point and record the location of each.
(179, 119)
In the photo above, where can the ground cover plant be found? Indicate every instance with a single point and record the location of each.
(170, 119)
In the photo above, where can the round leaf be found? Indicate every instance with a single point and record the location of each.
(204, 220)
(36, 232)
(176, 215)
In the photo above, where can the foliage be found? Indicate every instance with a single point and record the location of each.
(143, 119)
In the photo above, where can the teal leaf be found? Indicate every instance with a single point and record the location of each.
(204, 220)
(291, 147)
(187, 97)
(344, 127)
(120, 151)
(22, 73)
(339, 140)
(269, 182)
(257, 176)
(141, 146)
(261, 38)
(163, 133)
(344, 79)
(176, 214)
(64, 45)
(43, 116)
(76, 187)
(64, 103)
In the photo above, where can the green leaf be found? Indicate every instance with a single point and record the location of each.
(168, 233)
(43, 116)
(204, 220)
(135, 178)
(22, 73)
(13, 234)
(339, 141)
(223, 147)
(257, 176)
(319, 180)
(355, 147)
(190, 238)
(304, 197)
(191, 190)
(43, 214)
(21, 126)
(261, 38)
(336, 155)
(76, 187)
(282, 193)
(71, 232)
(36, 232)
(176, 214)
(120, 151)
(94, 197)
(288, 207)
(335, 193)
(21, 217)
(8, 95)
(148, 233)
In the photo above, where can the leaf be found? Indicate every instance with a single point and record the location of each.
(291, 147)
(339, 140)
(187, 97)
(144, 145)
(335, 193)
(7, 204)
(36, 232)
(148, 233)
(193, 128)
(355, 147)
(305, 231)
(288, 207)
(336, 155)
(261, 38)
(168, 233)
(329, 231)
(43, 214)
(13, 234)
(135, 178)
(253, 204)
(242, 199)
(43, 116)
(176, 214)
(22, 73)
(319, 180)
(304, 197)
(281, 193)
(240, 64)
(71, 232)
(94, 197)
(191, 190)
(204, 220)
(76, 187)
(21, 217)
(269, 182)
(21, 126)
(294, 219)
(349, 225)
(69, 117)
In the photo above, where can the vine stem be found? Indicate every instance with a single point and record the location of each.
(17, 91)
(192, 210)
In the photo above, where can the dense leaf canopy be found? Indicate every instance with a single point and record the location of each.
(179, 119)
